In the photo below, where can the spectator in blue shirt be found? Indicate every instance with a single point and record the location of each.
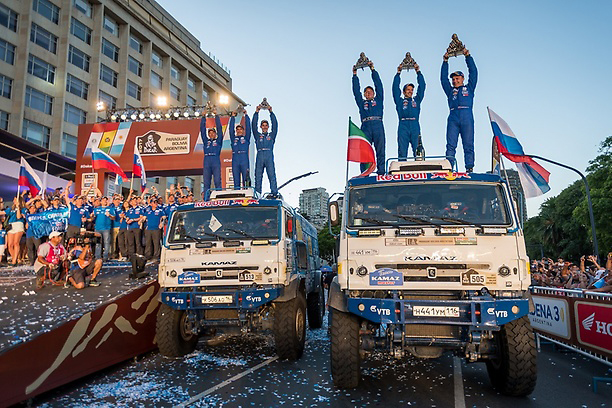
(32, 242)
(104, 216)
(78, 213)
(154, 216)
(134, 234)
(118, 207)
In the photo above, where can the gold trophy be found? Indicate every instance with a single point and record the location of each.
(362, 62)
(209, 108)
(455, 47)
(408, 62)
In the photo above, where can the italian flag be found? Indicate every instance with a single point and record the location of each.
(360, 149)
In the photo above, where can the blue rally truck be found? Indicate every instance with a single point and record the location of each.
(236, 264)
(432, 260)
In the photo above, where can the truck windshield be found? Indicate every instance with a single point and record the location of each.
(225, 223)
(428, 204)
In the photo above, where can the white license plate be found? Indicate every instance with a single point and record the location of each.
(216, 299)
(435, 311)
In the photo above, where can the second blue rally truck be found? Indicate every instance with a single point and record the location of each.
(432, 260)
(236, 264)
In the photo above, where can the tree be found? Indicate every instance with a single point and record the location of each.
(327, 243)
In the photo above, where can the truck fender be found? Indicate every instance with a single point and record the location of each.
(336, 299)
(291, 291)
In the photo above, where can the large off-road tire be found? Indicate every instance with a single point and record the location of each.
(316, 308)
(514, 371)
(173, 339)
(345, 356)
(290, 327)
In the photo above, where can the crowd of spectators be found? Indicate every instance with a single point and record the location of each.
(114, 227)
(586, 275)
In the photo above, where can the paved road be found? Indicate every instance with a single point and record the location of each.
(243, 372)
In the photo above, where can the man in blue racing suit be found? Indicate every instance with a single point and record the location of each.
(460, 102)
(371, 113)
(408, 110)
(240, 140)
(264, 142)
(212, 152)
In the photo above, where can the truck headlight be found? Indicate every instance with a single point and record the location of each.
(503, 271)
(267, 270)
(362, 271)
(173, 273)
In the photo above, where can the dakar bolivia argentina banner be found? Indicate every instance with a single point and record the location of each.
(168, 148)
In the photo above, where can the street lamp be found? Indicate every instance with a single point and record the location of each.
(224, 99)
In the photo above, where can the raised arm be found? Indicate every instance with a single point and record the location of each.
(472, 72)
(421, 83)
(219, 133)
(357, 90)
(66, 191)
(446, 85)
(232, 133)
(203, 129)
(274, 130)
(395, 90)
(247, 126)
(378, 86)
(254, 124)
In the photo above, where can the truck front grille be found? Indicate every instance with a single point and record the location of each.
(432, 330)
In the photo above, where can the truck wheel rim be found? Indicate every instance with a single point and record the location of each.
(299, 325)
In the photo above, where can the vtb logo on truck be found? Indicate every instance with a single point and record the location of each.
(386, 277)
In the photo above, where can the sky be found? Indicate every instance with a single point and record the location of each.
(543, 66)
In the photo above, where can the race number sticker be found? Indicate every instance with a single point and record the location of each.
(472, 277)
(214, 223)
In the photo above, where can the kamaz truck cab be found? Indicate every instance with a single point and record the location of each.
(432, 260)
(237, 263)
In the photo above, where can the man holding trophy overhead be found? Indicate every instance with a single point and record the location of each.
(460, 102)
(371, 112)
(264, 142)
(408, 108)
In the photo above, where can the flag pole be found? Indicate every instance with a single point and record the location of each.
(588, 194)
(347, 142)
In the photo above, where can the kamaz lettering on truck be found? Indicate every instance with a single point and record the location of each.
(237, 264)
(432, 260)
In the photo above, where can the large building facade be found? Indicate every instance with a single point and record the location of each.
(60, 58)
(313, 204)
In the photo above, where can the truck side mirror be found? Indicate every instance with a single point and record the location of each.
(334, 214)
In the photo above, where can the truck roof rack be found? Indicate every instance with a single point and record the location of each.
(231, 194)
(399, 167)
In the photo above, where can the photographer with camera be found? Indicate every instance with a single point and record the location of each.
(49, 263)
(84, 265)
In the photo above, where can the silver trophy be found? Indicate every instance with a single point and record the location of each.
(408, 62)
(209, 108)
(264, 104)
(455, 47)
(362, 62)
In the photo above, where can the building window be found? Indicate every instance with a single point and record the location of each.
(36, 133)
(8, 18)
(77, 87)
(191, 84)
(175, 92)
(135, 66)
(109, 101)
(4, 120)
(83, 6)
(108, 75)
(41, 69)
(47, 9)
(74, 115)
(111, 26)
(135, 43)
(204, 96)
(191, 100)
(175, 72)
(110, 50)
(80, 30)
(170, 181)
(156, 59)
(69, 145)
(38, 100)
(189, 183)
(156, 80)
(7, 52)
(42, 37)
(6, 85)
(134, 90)
(78, 58)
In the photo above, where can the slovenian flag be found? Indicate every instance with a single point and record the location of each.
(138, 169)
(28, 178)
(360, 149)
(534, 177)
(101, 160)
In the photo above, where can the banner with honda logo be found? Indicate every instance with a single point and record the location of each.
(594, 325)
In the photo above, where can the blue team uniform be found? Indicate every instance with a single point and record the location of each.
(461, 117)
(240, 152)
(371, 113)
(76, 214)
(153, 217)
(265, 154)
(103, 222)
(169, 209)
(212, 154)
(408, 111)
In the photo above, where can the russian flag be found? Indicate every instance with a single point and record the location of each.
(101, 160)
(28, 178)
(138, 169)
(534, 177)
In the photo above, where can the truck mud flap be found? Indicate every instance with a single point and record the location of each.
(336, 299)
(486, 314)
